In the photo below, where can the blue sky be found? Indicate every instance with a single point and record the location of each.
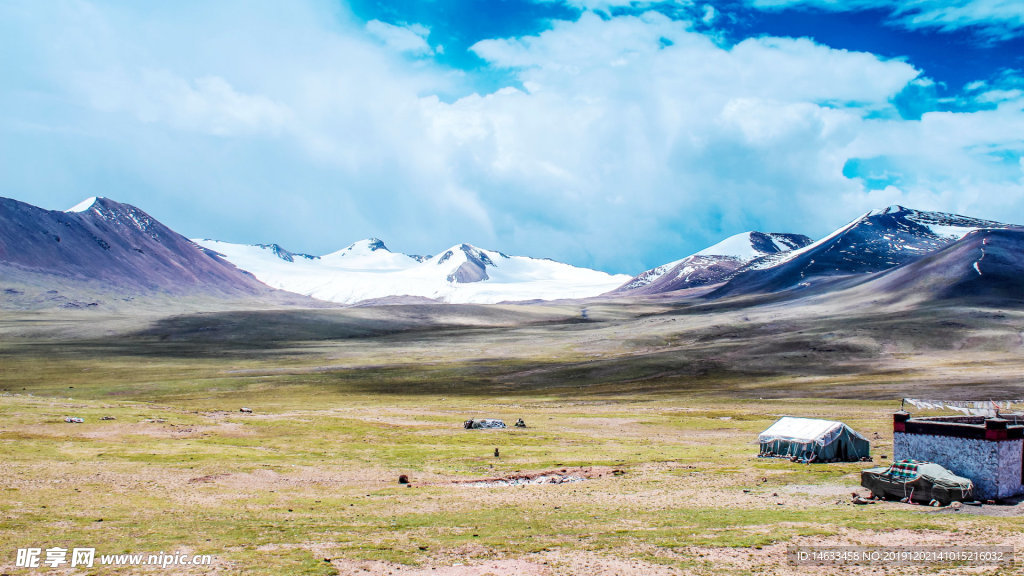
(605, 133)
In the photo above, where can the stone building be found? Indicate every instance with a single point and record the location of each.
(988, 451)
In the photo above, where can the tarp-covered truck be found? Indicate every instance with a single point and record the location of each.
(916, 481)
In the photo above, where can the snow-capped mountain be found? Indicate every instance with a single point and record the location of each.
(713, 264)
(984, 264)
(877, 241)
(367, 270)
(106, 246)
(750, 245)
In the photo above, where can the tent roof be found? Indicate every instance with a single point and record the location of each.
(804, 430)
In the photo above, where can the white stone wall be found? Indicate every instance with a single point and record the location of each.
(994, 467)
(1009, 457)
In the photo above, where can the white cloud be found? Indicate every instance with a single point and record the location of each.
(998, 18)
(704, 140)
(684, 131)
(411, 39)
(208, 104)
(632, 139)
(607, 5)
(710, 14)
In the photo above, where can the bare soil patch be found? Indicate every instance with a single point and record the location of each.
(561, 476)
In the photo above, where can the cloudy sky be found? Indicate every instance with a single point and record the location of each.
(613, 134)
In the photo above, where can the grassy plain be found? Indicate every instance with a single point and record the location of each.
(658, 405)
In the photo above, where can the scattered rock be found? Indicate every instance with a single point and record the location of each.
(482, 423)
(403, 479)
(108, 418)
(246, 410)
(520, 423)
(73, 420)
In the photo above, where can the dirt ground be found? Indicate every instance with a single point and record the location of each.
(652, 410)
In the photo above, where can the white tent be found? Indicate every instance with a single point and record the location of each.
(811, 438)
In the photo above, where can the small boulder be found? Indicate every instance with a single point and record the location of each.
(245, 410)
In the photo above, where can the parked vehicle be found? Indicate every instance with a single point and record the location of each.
(916, 481)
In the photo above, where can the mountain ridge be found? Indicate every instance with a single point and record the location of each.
(713, 264)
(463, 273)
(878, 240)
(117, 247)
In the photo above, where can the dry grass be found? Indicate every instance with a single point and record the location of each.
(659, 405)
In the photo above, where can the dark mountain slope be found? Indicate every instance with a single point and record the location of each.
(987, 264)
(877, 241)
(112, 247)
